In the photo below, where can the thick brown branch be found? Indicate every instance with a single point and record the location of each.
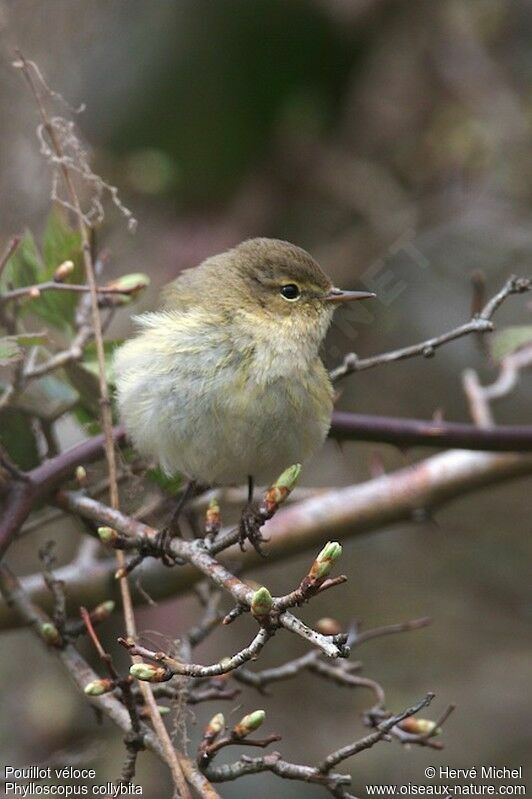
(406, 433)
(21, 497)
(348, 511)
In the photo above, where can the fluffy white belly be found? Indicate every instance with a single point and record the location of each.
(220, 430)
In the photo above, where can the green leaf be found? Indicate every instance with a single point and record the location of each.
(130, 284)
(60, 243)
(86, 383)
(49, 396)
(510, 339)
(25, 267)
(84, 376)
(11, 346)
(171, 485)
(90, 357)
(18, 439)
(60, 240)
(9, 351)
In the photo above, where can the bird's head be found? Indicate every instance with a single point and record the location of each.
(268, 282)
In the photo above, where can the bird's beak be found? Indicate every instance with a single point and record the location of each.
(337, 295)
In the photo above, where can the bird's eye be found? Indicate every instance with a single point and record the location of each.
(290, 291)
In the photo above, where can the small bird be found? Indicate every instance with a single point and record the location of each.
(225, 382)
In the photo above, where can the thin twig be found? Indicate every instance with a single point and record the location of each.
(370, 740)
(9, 251)
(106, 414)
(226, 665)
(478, 324)
(51, 285)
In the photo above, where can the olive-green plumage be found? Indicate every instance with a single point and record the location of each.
(226, 381)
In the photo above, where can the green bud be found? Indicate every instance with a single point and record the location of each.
(107, 535)
(325, 560)
(261, 603)
(129, 284)
(149, 673)
(163, 710)
(99, 687)
(249, 723)
(50, 633)
(102, 611)
(81, 475)
(417, 726)
(289, 477)
(277, 493)
(215, 725)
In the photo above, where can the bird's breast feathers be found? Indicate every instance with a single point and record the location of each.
(218, 404)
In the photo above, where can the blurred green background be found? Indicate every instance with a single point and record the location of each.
(391, 138)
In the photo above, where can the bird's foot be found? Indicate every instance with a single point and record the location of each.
(162, 547)
(250, 528)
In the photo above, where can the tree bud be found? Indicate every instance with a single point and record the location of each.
(212, 518)
(417, 726)
(249, 723)
(102, 611)
(50, 633)
(129, 284)
(149, 673)
(326, 559)
(214, 727)
(261, 603)
(328, 626)
(279, 491)
(81, 475)
(99, 687)
(63, 271)
(107, 535)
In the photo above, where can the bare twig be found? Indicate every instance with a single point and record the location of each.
(9, 252)
(82, 674)
(357, 637)
(226, 665)
(64, 167)
(51, 285)
(370, 740)
(478, 324)
(274, 763)
(480, 397)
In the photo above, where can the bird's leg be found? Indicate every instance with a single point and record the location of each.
(251, 522)
(188, 493)
(172, 529)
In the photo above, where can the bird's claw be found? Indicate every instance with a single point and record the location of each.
(162, 543)
(250, 529)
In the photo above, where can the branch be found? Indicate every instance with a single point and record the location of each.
(348, 511)
(275, 763)
(51, 285)
(480, 323)
(9, 252)
(66, 167)
(370, 740)
(174, 666)
(405, 433)
(38, 484)
(82, 674)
